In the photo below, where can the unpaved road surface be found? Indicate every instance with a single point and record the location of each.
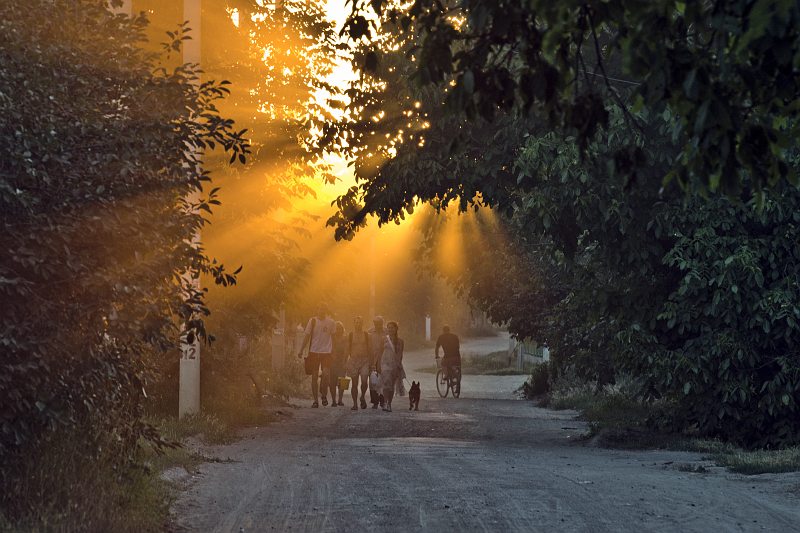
(485, 462)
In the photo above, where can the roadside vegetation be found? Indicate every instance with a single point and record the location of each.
(619, 418)
(625, 207)
(633, 167)
(59, 488)
(100, 200)
(492, 364)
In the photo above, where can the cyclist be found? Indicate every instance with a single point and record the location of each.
(450, 345)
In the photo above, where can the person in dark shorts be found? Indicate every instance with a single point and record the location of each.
(451, 347)
(319, 339)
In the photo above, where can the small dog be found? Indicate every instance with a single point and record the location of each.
(413, 396)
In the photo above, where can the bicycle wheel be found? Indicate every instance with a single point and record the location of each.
(442, 385)
(456, 383)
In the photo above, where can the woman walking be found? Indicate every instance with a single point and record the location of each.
(358, 363)
(391, 363)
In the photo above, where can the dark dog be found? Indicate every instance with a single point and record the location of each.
(413, 396)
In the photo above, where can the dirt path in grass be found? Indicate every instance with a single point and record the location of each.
(484, 462)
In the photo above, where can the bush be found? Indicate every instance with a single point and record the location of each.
(577, 397)
(481, 330)
(539, 381)
(97, 238)
(96, 231)
(235, 382)
(59, 487)
(724, 344)
(611, 406)
(288, 382)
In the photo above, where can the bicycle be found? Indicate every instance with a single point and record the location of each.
(451, 383)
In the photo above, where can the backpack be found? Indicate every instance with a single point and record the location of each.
(350, 342)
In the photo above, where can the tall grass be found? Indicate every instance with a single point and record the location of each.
(621, 420)
(208, 427)
(746, 461)
(491, 364)
(615, 410)
(60, 488)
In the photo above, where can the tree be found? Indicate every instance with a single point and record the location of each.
(279, 60)
(697, 298)
(101, 195)
(725, 70)
(583, 125)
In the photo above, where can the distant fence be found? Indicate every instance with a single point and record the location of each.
(527, 351)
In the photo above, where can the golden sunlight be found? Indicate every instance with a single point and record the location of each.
(274, 211)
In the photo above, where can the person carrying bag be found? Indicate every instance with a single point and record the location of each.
(319, 339)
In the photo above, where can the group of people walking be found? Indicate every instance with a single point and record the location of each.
(373, 358)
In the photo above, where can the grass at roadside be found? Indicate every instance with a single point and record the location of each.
(748, 461)
(618, 420)
(491, 364)
(206, 428)
(58, 489)
(69, 481)
(62, 490)
(210, 428)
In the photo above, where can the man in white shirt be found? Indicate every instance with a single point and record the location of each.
(319, 338)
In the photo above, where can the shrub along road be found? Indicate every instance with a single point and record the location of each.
(495, 464)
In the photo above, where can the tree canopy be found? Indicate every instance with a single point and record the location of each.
(640, 162)
(725, 71)
(101, 197)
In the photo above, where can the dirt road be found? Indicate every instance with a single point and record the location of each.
(485, 462)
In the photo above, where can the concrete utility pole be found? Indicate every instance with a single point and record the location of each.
(372, 266)
(278, 341)
(189, 388)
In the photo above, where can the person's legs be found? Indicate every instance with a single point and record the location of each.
(314, 378)
(325, 363)
(374, 392)
(447, 365)
(452, 373)
(337, 372)
(354, 388)
(339, 387)
(388, 394)
(364, 372)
